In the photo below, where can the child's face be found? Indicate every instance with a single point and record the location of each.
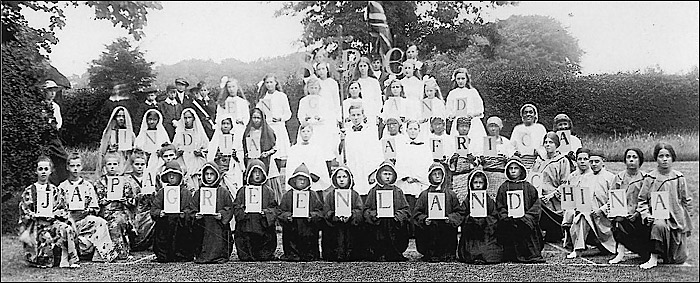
(43, 170)
(139, 164)
(438, 127)
(478, 183)
(169, 155)
(549, 145)
(354, 90)
(493, 129)
(151, 96)
(430, 92)
(393, 127)
(396, 88)
(226, 126)
(387, 176)
(632, 160)
(513, 171)
(408, 70)
(322, 71)
(342, 179)
(111, 165)
(314, 89)
(583, 161)
(224, 161)
(173, 179)
(152, 121)
(306, 134)
(376, 65)
(75, 166)
(664, 159)
(270, 84)
(209, 175)
(257, 175)
(461, 79)
(120, 118)
(172, 94)
(412, 130)
(189, 120)
(364, 68)
(563, 125)
(256, 118)
(463, 129)
(436, 176)
(596, 163)
(528, 115)
(356, 116)
(301, 182)
(232, 88)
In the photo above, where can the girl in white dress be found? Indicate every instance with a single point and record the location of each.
(276, 114)
(464, 101)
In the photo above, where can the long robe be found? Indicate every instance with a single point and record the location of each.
(279, 109)
(326, 134)
(478, 242)
(555, 172)
(521, 237)
(669, 237)
(389, 235)
(371, 97)
(596, 220)
(142, 222)
(474, 108)
(41, 236)
(92, 231)
(211, 235)
(437, 242)
(110, 136)
(363, 154)
(255, 236)
(172, 235)
(341, 241)
(153, 142)
(300, 236)
(118, 215)
(189, 141)
(628, 230)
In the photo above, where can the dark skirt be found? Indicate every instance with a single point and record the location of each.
(478, 242)
(520, 242)
(550, 222)
(212, 238)
(437, 242)
(633, 235)
(390, 240)
(342, 242)
(172, 239)
(669, 244)
(300, 241)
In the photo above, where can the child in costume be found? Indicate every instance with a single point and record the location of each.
(212, 232)
(300, 234)
(341, 239)
(478, 243)
(117, 212)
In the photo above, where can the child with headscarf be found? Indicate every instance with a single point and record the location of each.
(255, 236)
(299, 233)
(389, 234)
(478, 242)
(262, 139)
(563, 122)
(436, 239)
(191, 138)
(554, 169)
(172, 232)
(526, 136)
(211, 233)
(119, 120)
(342, 238)
(152, 135)
(521, 237)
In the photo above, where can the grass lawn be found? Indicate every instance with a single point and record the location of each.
(557, 268)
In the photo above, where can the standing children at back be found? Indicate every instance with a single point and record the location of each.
(81, 199)
(389, 235)
(436, 239)
(462, 89)
(279, 114)
(233, 102)
(143, 186)
(395, 102)
(341, 235)
(669, 237)
(171, 109)
(212, 232)
(116, 211)
(478, 243)
(172, 237)
(39, 233)
(255, 236)
(300, 233)
(520, 236)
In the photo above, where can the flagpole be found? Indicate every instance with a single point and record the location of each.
(342, 90)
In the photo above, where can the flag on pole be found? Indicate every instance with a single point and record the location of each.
(378, 25)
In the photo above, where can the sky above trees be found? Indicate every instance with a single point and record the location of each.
(616, 36)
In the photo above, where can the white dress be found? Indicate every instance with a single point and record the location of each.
(363, 154)
(413, 161)
(308, 154)
(279, 109)
(330, 93)
(474, 108)
(326, 132)
(372, 97)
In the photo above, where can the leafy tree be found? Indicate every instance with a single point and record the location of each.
(442, 26)
(120, 65)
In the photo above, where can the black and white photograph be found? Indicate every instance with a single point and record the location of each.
(385, 141)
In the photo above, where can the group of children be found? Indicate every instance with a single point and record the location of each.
(496, 203)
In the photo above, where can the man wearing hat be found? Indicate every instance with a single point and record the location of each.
(150, 102)
(182, 85)
(51, 138)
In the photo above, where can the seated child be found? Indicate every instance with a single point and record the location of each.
(92, 231)
(116, 212)
(521, 237)
(40, 234)
(436, 239)
(172, 239)
(478, 243)
(300, 234)
(211, 232)
(341, 239)
(255, 235)
(389, 234)
(143, 188)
